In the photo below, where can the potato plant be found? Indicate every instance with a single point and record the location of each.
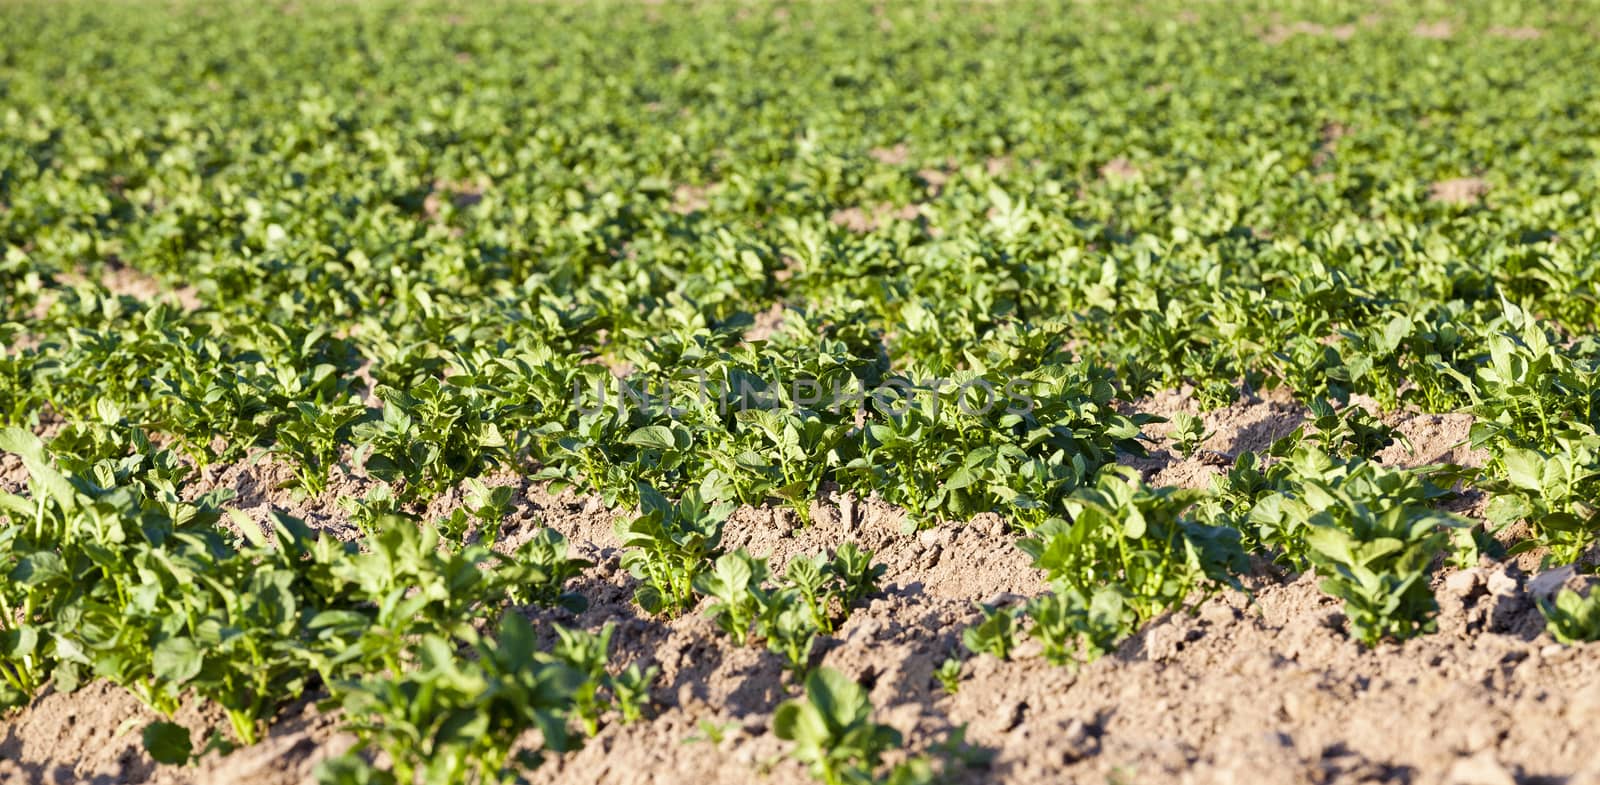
(939, 260)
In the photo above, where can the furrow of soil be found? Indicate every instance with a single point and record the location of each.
(1254, 686)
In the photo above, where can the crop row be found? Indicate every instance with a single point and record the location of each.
(938, 254)
(113, 576)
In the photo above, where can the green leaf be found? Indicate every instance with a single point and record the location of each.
(653, 437)
(1331, 543)
(168, 742)
(34, 456)
(650, 599)
(1508, 509)
(248, 528)
(786, 720)
(840, 699)
(176, 660)
(1134, 525)
(1524, 468)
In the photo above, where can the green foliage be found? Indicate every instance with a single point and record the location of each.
(856, 574)
(1129, 553)
(938, 459)
(453, 719)
(948, 675)
(167, 743)
(790, 629)
(1530, 387)
(736, 585)
(1572, 617)
(833, 731)
(1188, 432)
(1348, 432)
(585, 652)
(136, 587)
(224, 247)
(311, 438)
(429, 437)
(540, 569)
(1371, 531)
(1381, 573)
(81, 559)
(1074, 628)
(630, 688)
(480, 513)
(812, 597)
(668, 545)
(995, 634)
(1554, 489)
(1138, 540)
(1312, 488)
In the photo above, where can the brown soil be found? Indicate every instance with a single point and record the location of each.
(1517, 33)
(1461, 190)
(91, 735)
(459, 194)
(1280, 33)
(766, 324)
(124, 281)
(1328, 144)
(1438, 31)
(1119, 169)
(862, 220)
(891, 156)
(687, 199)
(1247, 687)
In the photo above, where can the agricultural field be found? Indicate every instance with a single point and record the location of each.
(785, 392)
